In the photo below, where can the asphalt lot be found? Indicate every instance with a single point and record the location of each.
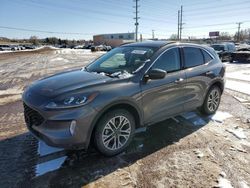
(190, 150)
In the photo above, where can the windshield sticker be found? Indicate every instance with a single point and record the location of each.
(139, 52)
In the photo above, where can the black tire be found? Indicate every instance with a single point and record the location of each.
(102, 126)
(209, 108)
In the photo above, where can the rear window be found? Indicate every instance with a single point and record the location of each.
(192, 57)
(218, 47)
(207, 57)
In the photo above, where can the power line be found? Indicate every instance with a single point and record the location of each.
(216, 12)
(211, 8)
(43, 31)
(219, 24)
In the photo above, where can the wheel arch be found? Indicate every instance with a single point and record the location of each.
(218, 83)
(127, 105)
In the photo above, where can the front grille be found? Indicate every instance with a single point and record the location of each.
(32, 117)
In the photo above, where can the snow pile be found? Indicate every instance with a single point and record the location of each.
(238, 133)
(220, 116)
(224, 183)
(49, 166)
(59, 59)
(44, 149)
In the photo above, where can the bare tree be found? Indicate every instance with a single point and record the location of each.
(225, 36)
(34, 40)
(173, 37)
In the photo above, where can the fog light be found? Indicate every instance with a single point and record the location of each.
(72, 127)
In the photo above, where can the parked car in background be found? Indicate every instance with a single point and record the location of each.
(22, 47)
(29, 47)
(5, 48)
(133, 85)
(78, 47)
(224, 50)
(101, 48)
(87, 46)
(242, 54)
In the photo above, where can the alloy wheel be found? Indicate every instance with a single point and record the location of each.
(116, 132)
(213, 100)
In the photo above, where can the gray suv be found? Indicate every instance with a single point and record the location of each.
(131, 86)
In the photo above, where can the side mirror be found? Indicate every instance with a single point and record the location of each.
(155, 74)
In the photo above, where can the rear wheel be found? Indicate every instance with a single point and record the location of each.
(114, 132)
(212, 100)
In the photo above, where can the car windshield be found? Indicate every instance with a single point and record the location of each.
(122, 59)
(218, 47)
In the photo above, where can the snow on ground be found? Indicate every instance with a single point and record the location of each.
(44, 149)
(238, 86)
(49, 166)
(220, 116)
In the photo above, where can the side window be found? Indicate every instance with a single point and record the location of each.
(207, 57)
(193, 57)
(169, 61)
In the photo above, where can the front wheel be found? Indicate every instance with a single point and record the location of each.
(114, 132)
(212, 100)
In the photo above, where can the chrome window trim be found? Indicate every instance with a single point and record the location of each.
(201, 48)
(160, 56)
(179, 47)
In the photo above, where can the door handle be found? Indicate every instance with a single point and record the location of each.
(209, 72)
(179, 80)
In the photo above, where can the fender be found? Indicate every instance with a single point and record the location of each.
(110, 105)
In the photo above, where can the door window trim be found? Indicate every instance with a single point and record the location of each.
(200, 48)
(181, 64)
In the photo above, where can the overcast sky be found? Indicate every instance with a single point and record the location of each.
(80, 19)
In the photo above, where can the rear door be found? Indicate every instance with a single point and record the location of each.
(198, 75)
(164, 97)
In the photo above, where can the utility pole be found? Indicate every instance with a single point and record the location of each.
(136, 19)
(153, 34)
(181, 24)
(178, 26)
(238, 37)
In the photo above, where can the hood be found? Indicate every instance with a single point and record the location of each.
(65, 82)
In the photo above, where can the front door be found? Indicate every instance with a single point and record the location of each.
(163, 98)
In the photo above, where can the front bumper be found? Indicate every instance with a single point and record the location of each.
(53, 127)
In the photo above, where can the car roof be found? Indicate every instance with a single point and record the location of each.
(157, 44)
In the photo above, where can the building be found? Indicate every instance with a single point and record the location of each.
(113, 40)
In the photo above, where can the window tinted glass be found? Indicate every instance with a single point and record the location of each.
(192, 57)
(207, 57)
(169, 61)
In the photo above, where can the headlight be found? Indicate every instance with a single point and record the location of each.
(71, 101)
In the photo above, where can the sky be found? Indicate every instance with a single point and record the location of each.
(81, 19)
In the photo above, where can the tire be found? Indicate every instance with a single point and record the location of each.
(107, 134)
(212, 101)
